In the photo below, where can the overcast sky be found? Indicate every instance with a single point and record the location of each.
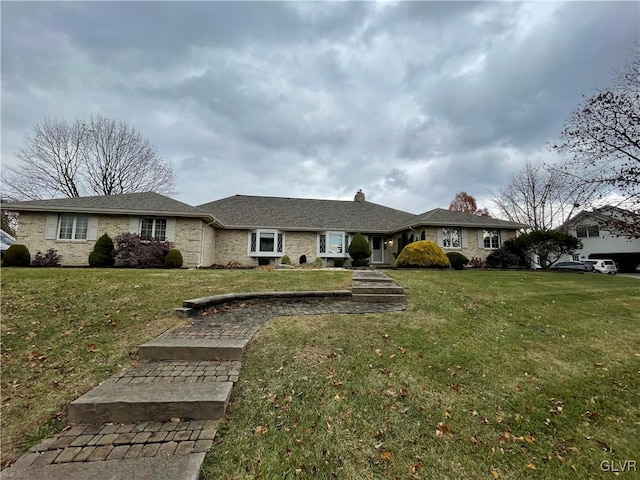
(410, 101)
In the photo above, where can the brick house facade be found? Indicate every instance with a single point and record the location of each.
(242, 229)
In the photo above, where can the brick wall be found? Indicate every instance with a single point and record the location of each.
(232, 246)
(31, 232)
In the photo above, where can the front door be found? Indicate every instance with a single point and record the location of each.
(377, 255)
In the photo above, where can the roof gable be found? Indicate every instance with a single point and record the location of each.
(443, 217)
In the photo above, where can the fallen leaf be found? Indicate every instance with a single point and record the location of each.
(68, 333)
(337, 398)
(262, 428)
(504, 438)
(444, 429)
(531, 466)
(92, 347)
(386, 456)
(495, 473)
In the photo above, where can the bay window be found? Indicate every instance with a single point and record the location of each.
(333, 244)
(266, 243)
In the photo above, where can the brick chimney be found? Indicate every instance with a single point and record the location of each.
(359, 196)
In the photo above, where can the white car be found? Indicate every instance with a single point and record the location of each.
(603, 265)
(6, 241)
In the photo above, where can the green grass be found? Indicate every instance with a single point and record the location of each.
(66, 330)
(487, 375)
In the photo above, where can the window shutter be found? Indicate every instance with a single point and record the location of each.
(502, 236)
(439, 236)
(323, 243)
(51, 229)
(171, 230)
(480, 238)
(92, 228)
(464, 237)
(134, 225)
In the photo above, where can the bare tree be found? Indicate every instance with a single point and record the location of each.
(463, 202)
(539, 198)
(102, 157)
(602, 138)
(120, 160)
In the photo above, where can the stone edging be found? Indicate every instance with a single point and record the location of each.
(191, 307)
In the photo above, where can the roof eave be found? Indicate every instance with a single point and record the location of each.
(106, 211)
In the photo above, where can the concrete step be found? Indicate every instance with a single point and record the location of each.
(378, 298)
(377, 288)
(365, 276)
(174, 467)
(158, 402)
(190, 349)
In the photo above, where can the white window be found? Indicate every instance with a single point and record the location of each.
(266, 243)
(576, 257)
(588, 231)
(333, 244)
(450, 237)
(73, 227)
(491, 239)
(153, 229)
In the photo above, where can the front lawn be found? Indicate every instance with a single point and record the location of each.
(65, 330)
(487, 375)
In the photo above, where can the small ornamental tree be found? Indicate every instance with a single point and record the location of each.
(17, 255)
(422, 254)
(457, 260)
(548, 245)
(359, 251)
(103, 254)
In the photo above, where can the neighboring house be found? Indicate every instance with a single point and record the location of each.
(599, 238)
(241, 229)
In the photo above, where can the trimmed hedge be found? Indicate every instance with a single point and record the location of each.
(422, 254)
(173, 259)
(359, 251)
(457, 260)
(103, 254)
(17, 255)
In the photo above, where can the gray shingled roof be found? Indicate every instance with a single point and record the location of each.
(148, 203)
(440, 216)
(242, 211)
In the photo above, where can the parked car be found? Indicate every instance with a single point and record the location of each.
(573, 266)
(603, 265)
(6, 241)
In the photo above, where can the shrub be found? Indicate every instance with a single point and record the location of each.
(49, 259)
(359, 251)
(476, 262)
(173, 259)
(338, 262)
(457, 260)
(103, 254)
(132, 251)
(263, 261)
(318, 262)
(17, 255)
(422, 254)
(502, 258)
(285, 260)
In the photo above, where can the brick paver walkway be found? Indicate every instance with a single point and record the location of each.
(91, 443)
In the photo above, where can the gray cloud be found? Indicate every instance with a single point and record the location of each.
(411, 101)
